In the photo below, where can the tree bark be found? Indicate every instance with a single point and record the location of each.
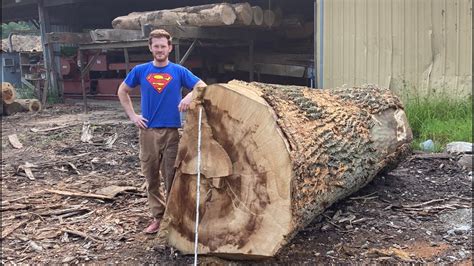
(205, 15)
(273, 158)
(8, 93)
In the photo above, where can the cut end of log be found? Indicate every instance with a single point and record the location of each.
(227, 14)
(268, 18)
(8, 93)
(32, 105)
(244, 13)
(257, 15)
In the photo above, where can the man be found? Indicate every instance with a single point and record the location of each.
(160, 83)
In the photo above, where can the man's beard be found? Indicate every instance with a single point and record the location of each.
(161, 58)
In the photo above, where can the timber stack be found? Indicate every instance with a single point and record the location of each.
(210, 15)
(11, 105)
(273, 158)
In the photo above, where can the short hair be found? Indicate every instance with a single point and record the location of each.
(159, 33)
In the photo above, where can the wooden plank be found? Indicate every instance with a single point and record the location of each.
(115, 35)
(68, 37)
(14, 141)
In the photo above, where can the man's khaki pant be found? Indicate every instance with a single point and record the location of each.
(158, 148)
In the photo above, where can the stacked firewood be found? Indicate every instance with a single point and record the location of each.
(11, 105)
(221, 14)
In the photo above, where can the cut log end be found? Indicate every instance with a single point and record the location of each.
(227, 15)
(244, 13)
(268, 18)
(8, 93)
(287, 153)
(257, 15)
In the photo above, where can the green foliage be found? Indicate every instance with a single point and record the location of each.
(441, 119)
(25, 93)
(15, 26)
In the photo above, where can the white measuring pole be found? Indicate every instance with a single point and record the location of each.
(198, 181)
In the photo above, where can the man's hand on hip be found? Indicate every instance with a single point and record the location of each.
(139, 121)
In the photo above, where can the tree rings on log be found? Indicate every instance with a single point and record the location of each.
(8, 93)
(257, 15)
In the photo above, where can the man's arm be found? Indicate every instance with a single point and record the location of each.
(124, 97)
(184, 104)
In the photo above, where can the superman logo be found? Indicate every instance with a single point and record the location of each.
(159, 80)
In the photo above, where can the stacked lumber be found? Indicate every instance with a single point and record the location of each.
(274, 157)
(11, 105)
(210, 15)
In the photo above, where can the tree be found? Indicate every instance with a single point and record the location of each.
(7, 28)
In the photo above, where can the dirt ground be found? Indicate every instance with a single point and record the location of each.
(419, 212)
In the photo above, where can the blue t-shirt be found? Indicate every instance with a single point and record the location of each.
(160, 88)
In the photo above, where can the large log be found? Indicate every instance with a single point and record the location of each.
(273, 158)
(205, 15)
(8, 93)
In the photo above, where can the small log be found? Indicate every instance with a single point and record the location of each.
(32, 105)
(257, 15)
(273, 158)
(8, 93)
(244, 13)
(268, 18)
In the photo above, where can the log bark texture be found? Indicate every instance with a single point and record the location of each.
(273, 158)
(204, 15)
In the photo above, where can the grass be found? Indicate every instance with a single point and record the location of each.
(442, 120)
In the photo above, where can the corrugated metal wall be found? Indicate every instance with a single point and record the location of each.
(422, 45)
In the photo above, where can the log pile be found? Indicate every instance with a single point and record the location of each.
(220, 14)
(12, 105)
(273, 158)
